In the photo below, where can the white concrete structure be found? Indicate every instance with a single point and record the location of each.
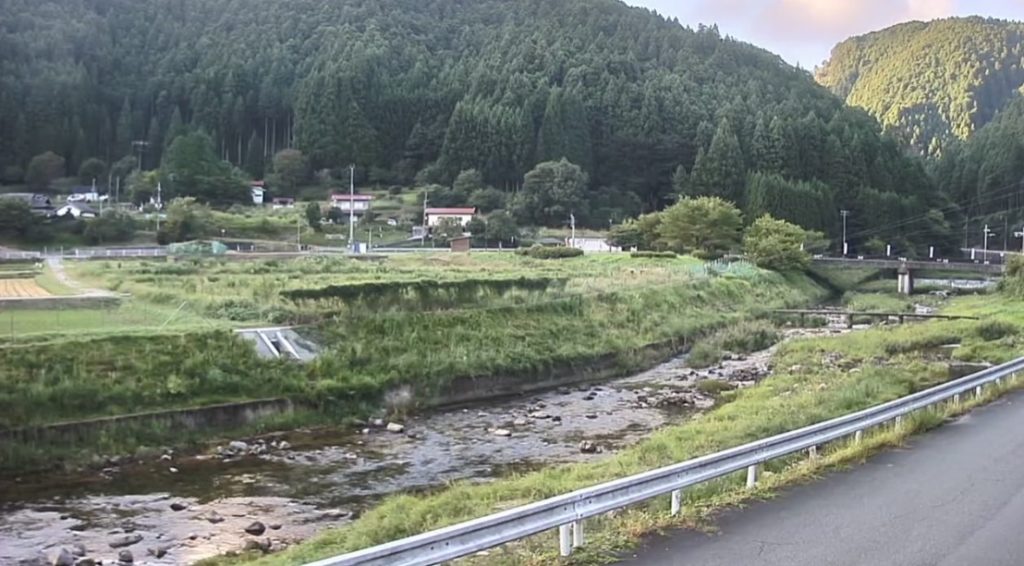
(435, 215)
(357, 204)
(258, 191)
(76, 210)
(592, 245)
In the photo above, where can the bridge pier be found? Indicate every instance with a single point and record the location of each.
(904, 280)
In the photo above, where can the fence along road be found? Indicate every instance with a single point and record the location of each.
(568, 512)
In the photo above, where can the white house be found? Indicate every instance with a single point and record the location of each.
(257, 189)
(358, 204)
(84, 194)
(434, 216)
(76, 210)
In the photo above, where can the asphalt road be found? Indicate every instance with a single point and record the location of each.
(952, 497)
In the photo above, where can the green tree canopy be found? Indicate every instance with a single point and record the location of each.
(44, 169)
(92, 169)
(191, 167)
(776, 245)
(551, 192)
(291, 169)
(708, 227)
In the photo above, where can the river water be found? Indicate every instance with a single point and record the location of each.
(192, 507)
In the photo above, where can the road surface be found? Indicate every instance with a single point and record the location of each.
(953, 497)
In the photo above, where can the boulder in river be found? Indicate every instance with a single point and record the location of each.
(64, 558)
(520, 422)
(588, 447)
(86, 562)
(178, 506)
(256, 528)
(238, 446)
(125, 557)
(396, 428)
(126, 540)
(502, 432)
(78, 549)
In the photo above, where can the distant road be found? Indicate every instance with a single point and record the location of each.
(955, 497)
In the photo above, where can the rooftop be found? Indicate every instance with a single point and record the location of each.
(458, 211)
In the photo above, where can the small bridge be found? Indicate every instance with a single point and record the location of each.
(848, 315)
(906, 267)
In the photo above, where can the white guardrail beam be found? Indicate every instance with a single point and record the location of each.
(567, 512)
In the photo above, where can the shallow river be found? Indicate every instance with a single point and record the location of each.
(188, 508)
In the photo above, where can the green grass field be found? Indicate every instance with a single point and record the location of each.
(891, 362)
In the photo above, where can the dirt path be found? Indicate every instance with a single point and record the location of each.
(56, 266)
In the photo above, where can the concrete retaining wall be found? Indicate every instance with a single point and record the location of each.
(227, 415)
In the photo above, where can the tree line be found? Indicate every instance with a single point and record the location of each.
(418, 91)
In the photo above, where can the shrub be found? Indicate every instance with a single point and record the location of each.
(714, 387)
(559, 252)
(991, 330)
(654, 255)
(744, 337)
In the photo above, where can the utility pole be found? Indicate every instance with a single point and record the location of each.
(988, 233)
(159, 205)
(846, 246)
(423, 234)
(351, 207)
(298, 232)
(1021, 236)
(141, 146)
(572, 225)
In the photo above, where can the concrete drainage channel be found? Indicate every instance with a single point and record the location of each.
(280, 342)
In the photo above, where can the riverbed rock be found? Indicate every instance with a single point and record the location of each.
(78, 549)
(283, 445)
(539, 415)
(214, 517)
(502, 432)
(64, 558)
(178, 506)
(377, 423)
(260, 545)
(125, 557)
(126, 540)
(588, 447)
(520, 422)
(86, 562)
(238, 446)
(590, 416)
(396, 428)
(160, 551)
(274, 526)
(256, 528)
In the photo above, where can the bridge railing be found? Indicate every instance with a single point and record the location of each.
(568, 512)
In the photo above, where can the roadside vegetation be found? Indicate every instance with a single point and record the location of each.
(814, 379)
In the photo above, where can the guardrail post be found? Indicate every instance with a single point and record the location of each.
(858, 437)
(577, 533)
(898, 422)
(812, 452)
(677, 501)
(977, 391)
(565, 539)
(956, 400)
(753, 473)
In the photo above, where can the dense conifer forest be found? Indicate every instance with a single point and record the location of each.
(417, 91)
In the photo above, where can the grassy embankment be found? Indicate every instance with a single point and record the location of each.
(608, 311)
(814, 380)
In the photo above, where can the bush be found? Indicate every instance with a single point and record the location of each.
(540, 252)
(654, 255)
(742, 338)
(992, 330)
(714, 387)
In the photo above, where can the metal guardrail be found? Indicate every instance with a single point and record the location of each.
(84, 253)
(567, 512)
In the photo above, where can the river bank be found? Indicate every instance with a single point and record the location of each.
(187, 508)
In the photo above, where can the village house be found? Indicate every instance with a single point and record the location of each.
(434, 216)
(356, 204)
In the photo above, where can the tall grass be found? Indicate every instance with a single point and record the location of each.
(742, 338)
(809, 391)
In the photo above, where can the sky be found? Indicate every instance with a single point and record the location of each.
(804, 31)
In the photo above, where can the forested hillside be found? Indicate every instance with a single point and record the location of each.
(986, 173)
(419, 90)
(934, 82)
